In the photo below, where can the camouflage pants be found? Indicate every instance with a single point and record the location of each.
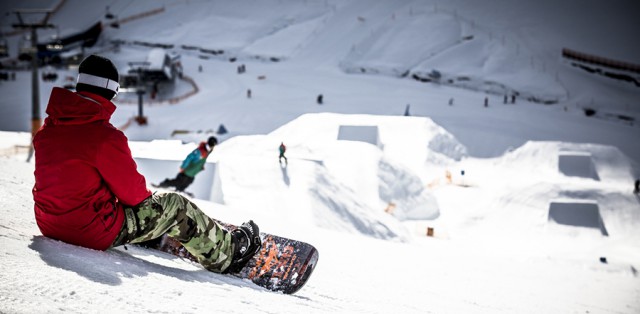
(173, 214)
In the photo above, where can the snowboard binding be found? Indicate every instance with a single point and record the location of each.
(247, 242)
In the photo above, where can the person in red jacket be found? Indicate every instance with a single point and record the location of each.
(88, 191)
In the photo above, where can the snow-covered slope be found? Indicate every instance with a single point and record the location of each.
(487, 180)
(493, 251)
(339, 184)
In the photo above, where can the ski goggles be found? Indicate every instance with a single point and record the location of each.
(98, 81)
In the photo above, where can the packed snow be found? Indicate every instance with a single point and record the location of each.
(529, 206)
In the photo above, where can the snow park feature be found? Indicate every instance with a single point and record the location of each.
(362, 133)
(580, 213)
(498, 245)
(577, 164)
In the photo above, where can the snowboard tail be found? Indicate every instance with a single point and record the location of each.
(282, 264)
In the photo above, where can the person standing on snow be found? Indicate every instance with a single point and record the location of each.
(191, 166)
(282, 150)
(88, 191)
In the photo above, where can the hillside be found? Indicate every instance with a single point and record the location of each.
(530, 202)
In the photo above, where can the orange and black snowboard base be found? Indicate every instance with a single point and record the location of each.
(282, 265)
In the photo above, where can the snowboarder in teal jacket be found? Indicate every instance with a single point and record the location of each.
(282, 150)
(191, 166)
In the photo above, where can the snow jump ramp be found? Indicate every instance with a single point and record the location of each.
(361, 133)
(156, 170)
(577, 213)
(577, 164)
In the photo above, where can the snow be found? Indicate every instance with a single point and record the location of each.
(531, 205)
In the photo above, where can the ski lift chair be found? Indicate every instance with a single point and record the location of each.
(4, 48)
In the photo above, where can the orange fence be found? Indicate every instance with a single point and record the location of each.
(140, 15)
(610, 63)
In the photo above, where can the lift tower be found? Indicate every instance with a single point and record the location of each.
(35, 86)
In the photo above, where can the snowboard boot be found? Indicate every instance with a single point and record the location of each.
(247, 242)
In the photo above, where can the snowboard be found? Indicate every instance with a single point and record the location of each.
(171, 189)
(282, 264)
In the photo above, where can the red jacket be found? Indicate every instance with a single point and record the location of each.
(84, 171)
